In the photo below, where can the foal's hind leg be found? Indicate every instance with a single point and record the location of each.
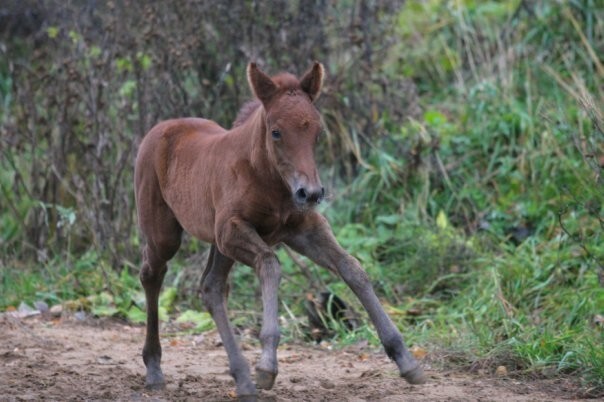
(317, 242)
(163, 235)
(213, 292)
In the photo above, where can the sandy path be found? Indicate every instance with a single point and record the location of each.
(100, 360)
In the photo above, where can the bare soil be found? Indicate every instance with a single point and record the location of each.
(100, 360)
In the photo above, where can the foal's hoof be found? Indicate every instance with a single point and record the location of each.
(155, 382)
(247, 398)
(415, 375)
(265, 379)
(157, 386)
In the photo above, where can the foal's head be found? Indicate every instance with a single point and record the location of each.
(293, 126)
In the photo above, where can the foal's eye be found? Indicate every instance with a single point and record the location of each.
(276, 134)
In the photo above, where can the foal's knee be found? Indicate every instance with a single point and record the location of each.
(211, 296)
(152, 274)
(213, 290)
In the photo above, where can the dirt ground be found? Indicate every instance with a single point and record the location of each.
(100, 360)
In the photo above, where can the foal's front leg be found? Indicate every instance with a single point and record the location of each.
(317, 242)
(240, 242)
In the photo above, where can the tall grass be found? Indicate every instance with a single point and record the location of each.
(481, 223)
(478, 219)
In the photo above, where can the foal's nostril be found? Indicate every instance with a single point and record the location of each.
(304, 196)
(321, 196)
(301, 195)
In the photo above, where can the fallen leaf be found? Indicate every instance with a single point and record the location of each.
(370, 374)
(501, 371)
(414, 312)
(418, 352)
(291, 358)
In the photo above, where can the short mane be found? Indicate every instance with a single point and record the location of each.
(285, 82)
(246, 111)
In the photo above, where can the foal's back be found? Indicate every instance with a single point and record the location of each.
(176, 135)
(169, 157)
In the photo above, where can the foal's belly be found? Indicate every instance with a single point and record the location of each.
(203, 231)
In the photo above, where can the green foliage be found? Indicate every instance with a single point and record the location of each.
(392, 251)
(482, 222)
(200, 321)
(478, 218)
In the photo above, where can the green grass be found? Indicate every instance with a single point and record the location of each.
(509, 140)
(507, 147)
(52, 282)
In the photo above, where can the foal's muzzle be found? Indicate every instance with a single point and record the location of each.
(307, 196)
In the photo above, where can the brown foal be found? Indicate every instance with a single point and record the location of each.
(243, 191)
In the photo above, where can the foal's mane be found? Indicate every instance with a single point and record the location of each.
(246, 111)
(285, 82)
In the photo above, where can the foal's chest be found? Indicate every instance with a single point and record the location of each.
(274, 223)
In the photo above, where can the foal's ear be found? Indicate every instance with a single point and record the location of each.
(261, 84)
(312, 81)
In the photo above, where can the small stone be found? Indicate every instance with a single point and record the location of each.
(24, 308)
(56, 310)
(41, 306)
(198, 340)
(501, 371)
(327, 384)
(80, 315)
(104, 359)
